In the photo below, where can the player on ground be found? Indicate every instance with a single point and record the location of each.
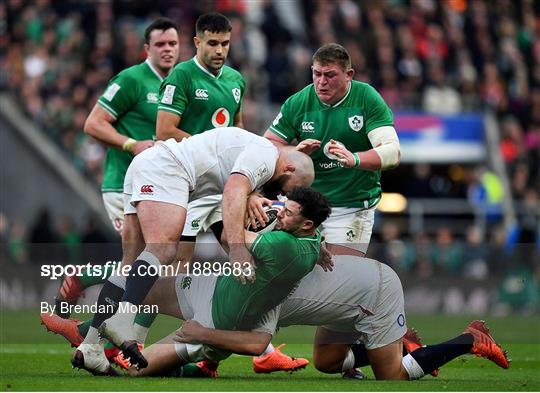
(360, 299)
(348, 130)
(158, 185)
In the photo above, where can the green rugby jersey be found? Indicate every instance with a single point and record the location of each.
(202, 100)
(282, 260)
(304, 116)
(131, 98)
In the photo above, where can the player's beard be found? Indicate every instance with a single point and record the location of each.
(271, 189)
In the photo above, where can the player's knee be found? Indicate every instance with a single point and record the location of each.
(325, 364)
(164, 252)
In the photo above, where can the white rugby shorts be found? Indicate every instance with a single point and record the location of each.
(384, 321)
(155, 175)
(114, 206)
(194, 295)
(349, 227)
(201, 214)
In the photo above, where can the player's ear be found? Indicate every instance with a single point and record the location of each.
(290, 167)
(196, 41)
(350, 73)
(308, 225)
(146, 49)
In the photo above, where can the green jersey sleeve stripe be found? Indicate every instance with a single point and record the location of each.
(255, 243)
(279, 133)
(167, 109)
(109, 110)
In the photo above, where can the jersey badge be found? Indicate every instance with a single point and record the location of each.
(201, 94)
(307, 126)
(111, 91)
(152, 98)
(168, 94)
(276, 120)
(356, 122)
(260, 173)
(221, 118)
(236, 94)
(186, 282)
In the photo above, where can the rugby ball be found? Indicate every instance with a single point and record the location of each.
(272, 213)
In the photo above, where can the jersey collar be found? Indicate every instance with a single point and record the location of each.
(206, 71)
(340, 101)
(149, 64)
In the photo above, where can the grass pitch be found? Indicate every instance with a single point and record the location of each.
(33, 360)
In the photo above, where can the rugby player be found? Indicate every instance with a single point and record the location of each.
(360, 299)
(158, 185)
(201, 94)
(348, 130)
(124, 119)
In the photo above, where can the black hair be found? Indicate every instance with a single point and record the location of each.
(214, 22)
(159, 24)
(314, 205)
(333, 54)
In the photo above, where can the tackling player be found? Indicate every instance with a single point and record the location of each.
(282, 258)
(360, 299)
(124, 119)
(158, 185)
(348, 130)
(201, 94)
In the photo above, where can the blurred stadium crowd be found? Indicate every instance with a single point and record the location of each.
(443, 57)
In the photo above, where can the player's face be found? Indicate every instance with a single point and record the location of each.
(331, 81)
(212, 49)
(162, 49)
(289, 218)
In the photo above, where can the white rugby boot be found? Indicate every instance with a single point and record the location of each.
(119, 330)
(91, 357)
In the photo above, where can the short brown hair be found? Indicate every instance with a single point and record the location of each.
(159, 24)
(333, 54)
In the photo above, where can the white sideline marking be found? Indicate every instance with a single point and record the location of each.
(34, 351)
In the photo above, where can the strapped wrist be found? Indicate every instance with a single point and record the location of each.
(129, 144)
(356, 160)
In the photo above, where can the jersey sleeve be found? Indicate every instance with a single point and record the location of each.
(257, 165)
(120, 96)
(264, 246)
(174, 93)
(283, 124)
(380, 113)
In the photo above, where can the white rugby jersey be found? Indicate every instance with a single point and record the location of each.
(211, 157)
(337, 299)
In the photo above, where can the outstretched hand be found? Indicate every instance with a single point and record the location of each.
(308, 146)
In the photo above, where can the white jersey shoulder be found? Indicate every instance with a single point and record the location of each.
(209, 158)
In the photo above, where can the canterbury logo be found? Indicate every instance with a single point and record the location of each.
(147, 189)
(201, 94)
(307, 126)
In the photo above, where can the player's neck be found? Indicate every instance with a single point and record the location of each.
(203, 65)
